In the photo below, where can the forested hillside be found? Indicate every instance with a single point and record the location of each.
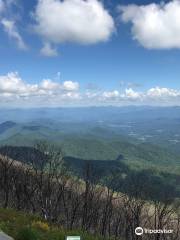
(44, 186)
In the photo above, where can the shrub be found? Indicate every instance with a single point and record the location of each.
(3, 226)
(40, 225)
(27, 234)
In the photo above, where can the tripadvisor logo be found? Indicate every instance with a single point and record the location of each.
(140, 231)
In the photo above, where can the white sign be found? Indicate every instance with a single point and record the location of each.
(73, 238)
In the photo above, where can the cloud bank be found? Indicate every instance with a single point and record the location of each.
(14, 91)
(154, 26)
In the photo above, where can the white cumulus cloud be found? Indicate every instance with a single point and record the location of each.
(84, 22)
(158, 92)
(13, 87)
(70, 86)
(130, 93)
(110, 94)
(152, 96)
(12, 84)
(48, 84)
(154, 26)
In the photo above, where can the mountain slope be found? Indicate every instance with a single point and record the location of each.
(88, 147)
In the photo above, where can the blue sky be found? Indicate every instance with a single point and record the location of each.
(76, 52)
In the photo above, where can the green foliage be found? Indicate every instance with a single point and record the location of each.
(23, 226)
(3, 227)
(27, 233)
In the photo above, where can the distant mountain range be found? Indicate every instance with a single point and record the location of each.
(91, 114)
(144, 136)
